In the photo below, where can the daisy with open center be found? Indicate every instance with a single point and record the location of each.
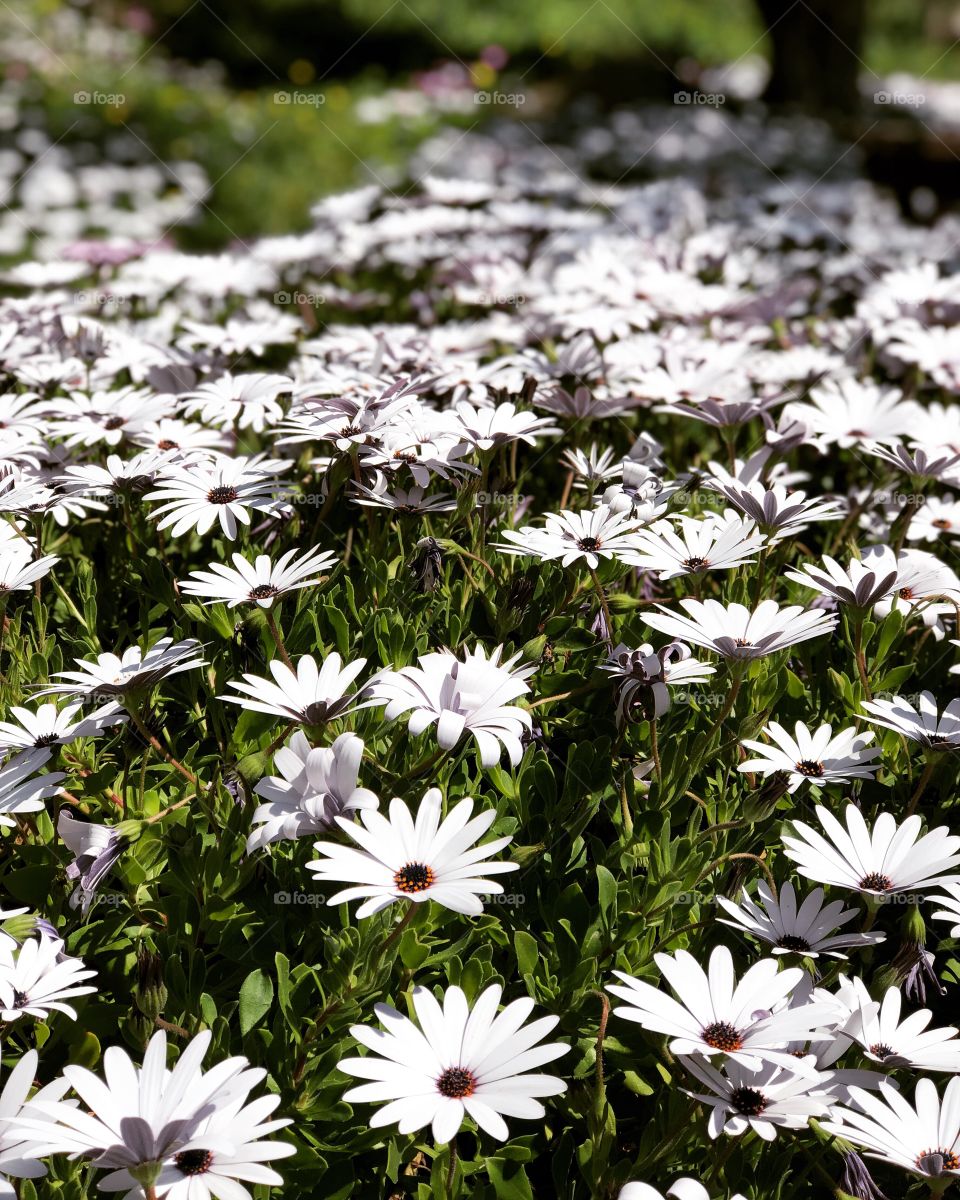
(764, 1100)
(925, 724)
(425, 859)
(818, 757)
(198, 495)
(309, 694)
(808, 929)
(747, 1021)
(908, 1043)
(459, 1063)
(260, 582)
(922, 1138)
(693, 547)
(880, 861)
(591, 535)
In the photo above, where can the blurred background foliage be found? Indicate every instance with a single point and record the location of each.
(199, 79)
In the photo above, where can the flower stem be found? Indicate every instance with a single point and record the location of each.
(175, 763)
(605, 608)
(727, 705)
(278, 637)
(452, 1168)
(861, 660)
(921, 787)
(601, 1034)
(655, 750)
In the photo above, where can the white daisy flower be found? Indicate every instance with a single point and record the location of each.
(821, 757)
(139, 1119)
(50, 726)
(951, 911)
(17, 1159)
(926, 587)
(261, 581)
(246, 401)
(909, 1043)
(642, 678)
(593, 466)
(734, 632)
(880, 861)
(591, 535)
(765, 1100)
(918, 461)
(682, 1189)
(501, 424)
(38, 978)
(309, 695)
(862, 584)
(746, 1021)
(777, 512)
(19, 571)
(21, 793)
(423, 859)
(926, 725)
(922, 1138)
(464, 1063)
(469, 696)
(315, 785)
(695, 546)
(198, 495)
(844, 412)
(114, 678)
(809, 930)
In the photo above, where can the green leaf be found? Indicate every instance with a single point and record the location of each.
(256, 996)
(528, 951)
(509, 1180)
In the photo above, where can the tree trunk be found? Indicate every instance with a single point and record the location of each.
(816, 52)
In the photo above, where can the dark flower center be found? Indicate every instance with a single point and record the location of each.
(193, 1162)
(748, 1101)
(20, 1000)
(881, 1050)
(166, 444)
(722, 1036)
(793, 941)
(263, 591)
(905, 593)
(46, 739)
(113, 423)
(222, 495)
(456, 1082)
(809, 768)
(742, 642)
(589, 543)
(414, 877)
(875, 882)
(697, 564)
(942, 523)
(935, 1162)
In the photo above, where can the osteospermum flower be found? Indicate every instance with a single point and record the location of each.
(469, 696)
(22, 791)
(642, 677)
(16, 1145)
(95, 849)
(694, 547)
(819, 757)
(809, 929)
(198, 495)
(310, 695)
(925, 724)
(879, 861)
(140, 1121)
(780, 513)
(315, 785)
(764, 1100)
(425, 859)
(459, 1063)
(682, 1189)
(38, 979)
(260, 582)
(591, 535)
(50, 726)
(951, 909)
(19, 570)
(112, 678)
(922, 1138)
(886, 1039)
(734, 632)
(715, 1014)
(865, 581)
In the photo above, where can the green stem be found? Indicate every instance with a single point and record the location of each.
(175, 763)
(921, 787)
(860, 657)
(278, 638)
(601, 596)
